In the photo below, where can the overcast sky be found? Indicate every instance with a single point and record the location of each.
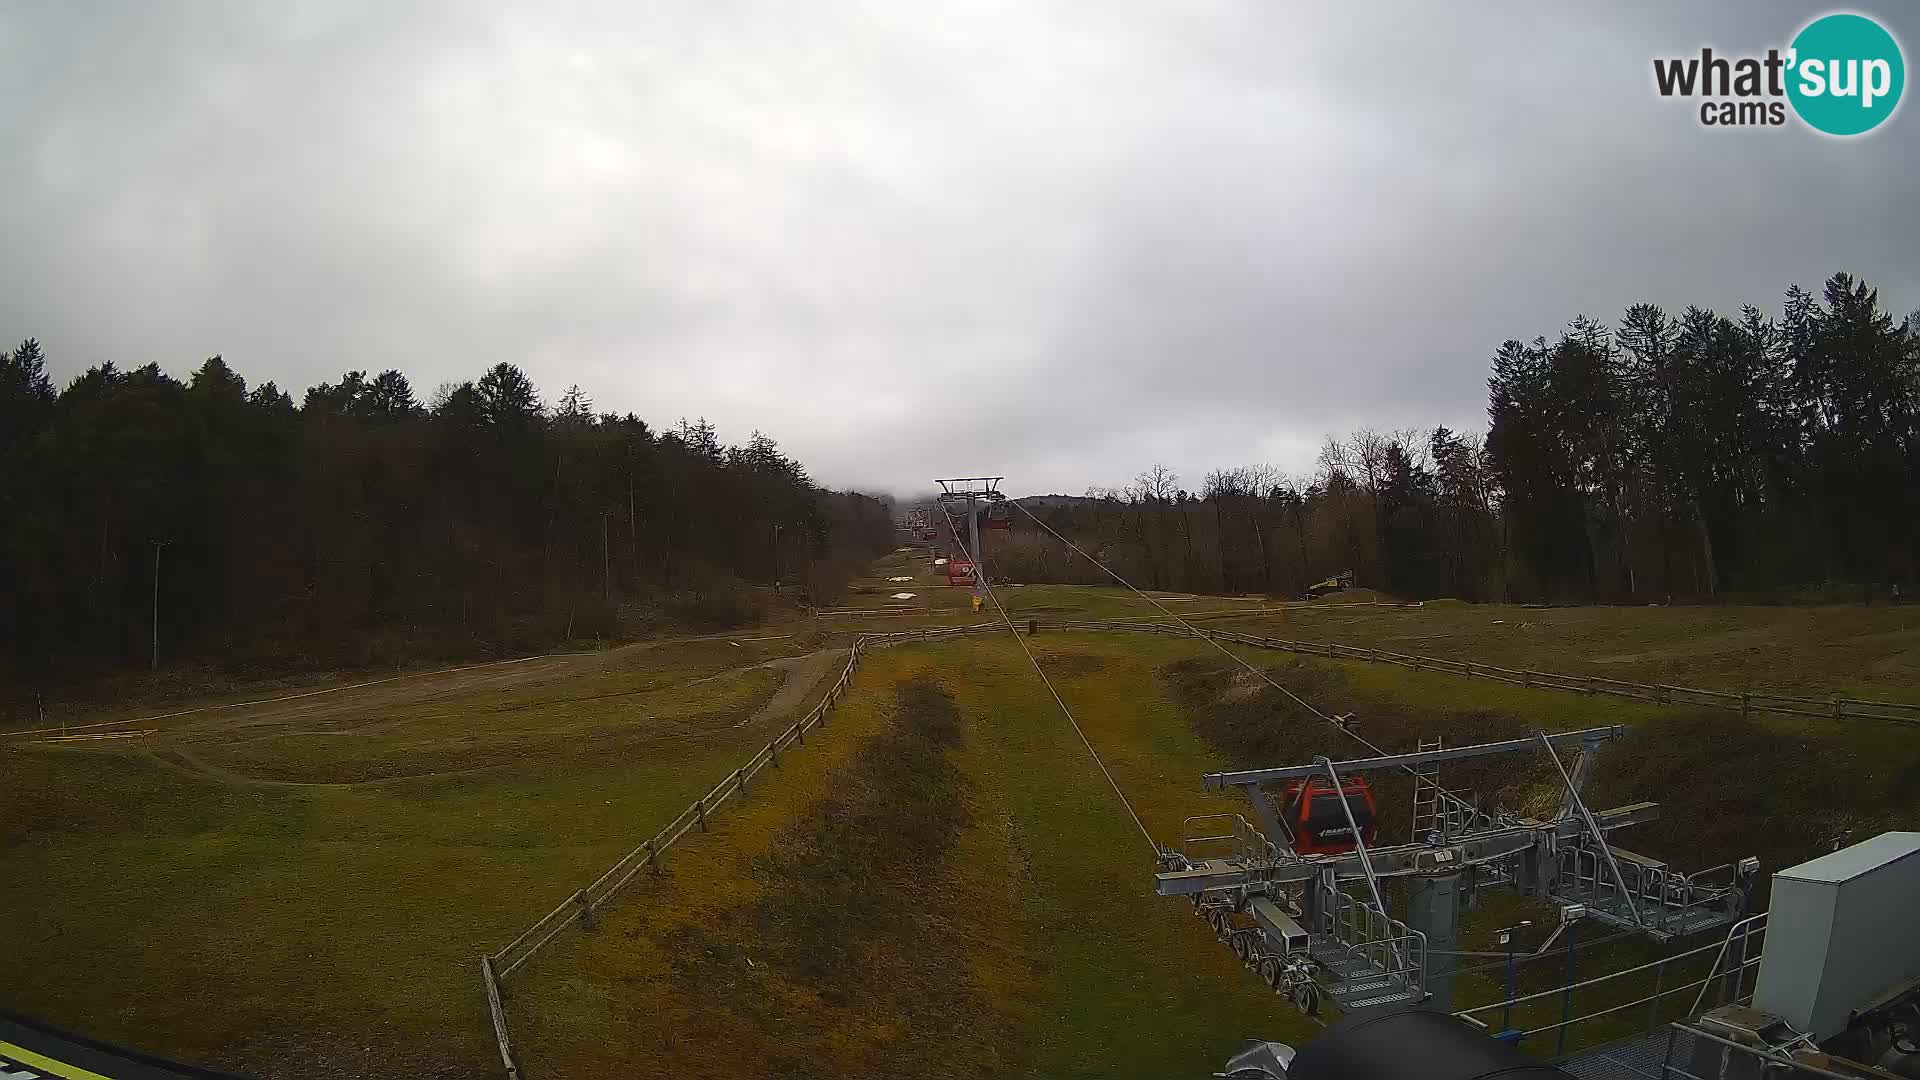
(1058, 241)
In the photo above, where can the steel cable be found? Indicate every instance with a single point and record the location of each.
(986, 587)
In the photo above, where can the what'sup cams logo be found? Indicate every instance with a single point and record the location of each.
(1842, 75)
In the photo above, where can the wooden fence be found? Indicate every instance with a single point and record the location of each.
(580, 908)
(1745, 702)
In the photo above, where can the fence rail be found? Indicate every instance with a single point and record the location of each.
(1745, 702)
(581, 908)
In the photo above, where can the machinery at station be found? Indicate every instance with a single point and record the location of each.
(1832, 994)
(1314, 813)
(1391, 1044)
(1298, 888)
(919, 524)
(1297, 891)
(970, 499)
(998, 513)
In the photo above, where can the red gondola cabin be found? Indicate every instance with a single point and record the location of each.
(959, 572)
(1311, 809)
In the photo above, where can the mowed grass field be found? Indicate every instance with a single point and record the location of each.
(1868, 651)
(1036, 918)
(288, 893)
(941, 883)
(1872, 651)
(1028, 943)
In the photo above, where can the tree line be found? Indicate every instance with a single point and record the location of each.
(363, 525)
(1696, 456)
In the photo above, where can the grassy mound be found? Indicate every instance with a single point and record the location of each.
(1728, 787)
(842, 932)
(842, 923)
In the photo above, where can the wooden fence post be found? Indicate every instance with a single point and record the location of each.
(1837, 714)
(586, 910)
(653, 857)
(1746, 703)
(700, 812)
(1526, 678)
(740, 777)
(499, 1012)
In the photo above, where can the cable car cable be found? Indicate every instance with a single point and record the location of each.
(1057, 699)
(1230, 654)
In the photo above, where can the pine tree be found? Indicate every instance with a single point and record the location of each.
(507, 397)
(26, 394)
(388, 397)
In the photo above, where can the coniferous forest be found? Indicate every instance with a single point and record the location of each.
(1698, 456)
(362, 525)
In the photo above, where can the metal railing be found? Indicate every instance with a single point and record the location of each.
(1738, 947)
(1721, 970)
(1659, 895)
(1242, 841)
(1210, 846)
(1386, 947)
(1770, 1062)
(1374, 962)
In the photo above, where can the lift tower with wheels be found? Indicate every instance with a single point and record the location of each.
(971, 492)
(1311, 919)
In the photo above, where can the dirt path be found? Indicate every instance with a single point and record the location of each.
(192, 764)
(803, 674)
(356, 700)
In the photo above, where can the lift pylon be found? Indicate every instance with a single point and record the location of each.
(1306, 925)
(970, 492)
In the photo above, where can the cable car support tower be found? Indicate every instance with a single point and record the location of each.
(974, 493)
(1317, 926)
(1298, 891)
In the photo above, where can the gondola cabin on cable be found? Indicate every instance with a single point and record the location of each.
(1311, 811)
(959, 572)
(999, 514)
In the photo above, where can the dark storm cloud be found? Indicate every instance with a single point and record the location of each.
(1056, 241)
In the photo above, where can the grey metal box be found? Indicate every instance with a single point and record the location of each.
(1842, 928)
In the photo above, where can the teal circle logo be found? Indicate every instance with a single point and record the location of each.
(1845, 74)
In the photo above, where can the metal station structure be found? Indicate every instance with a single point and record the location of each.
(976, 496)
(1318, 927)
(1301, 891)
(917, 523)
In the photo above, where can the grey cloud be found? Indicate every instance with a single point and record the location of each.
(1057, 241)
